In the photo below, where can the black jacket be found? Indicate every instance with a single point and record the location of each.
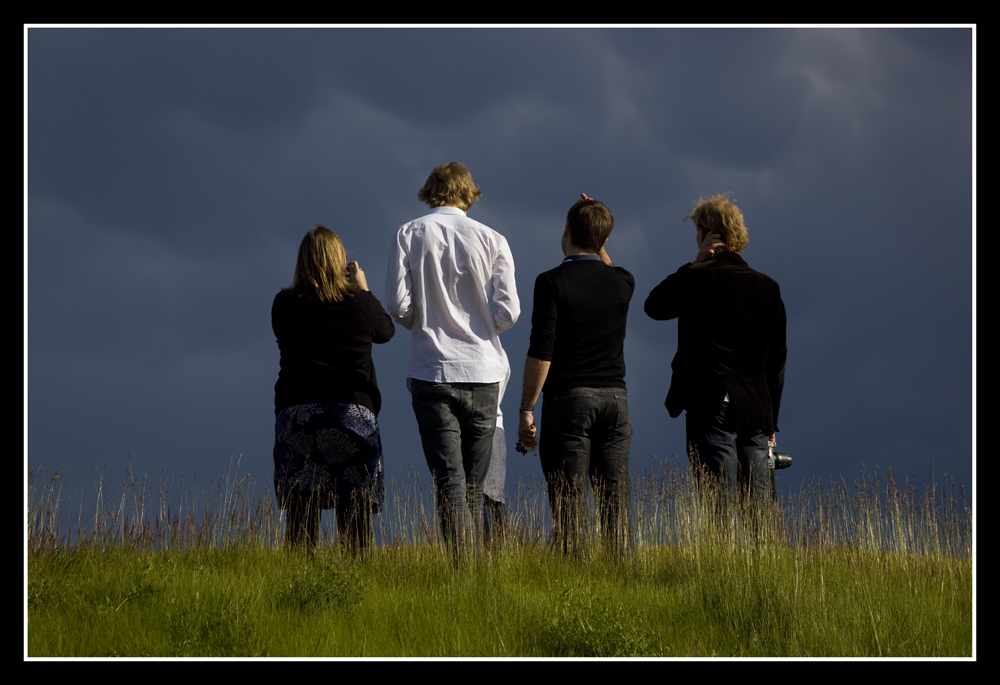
(730, 339)
(326, 350)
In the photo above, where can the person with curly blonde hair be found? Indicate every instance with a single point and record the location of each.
(729, 369)
(718, 215)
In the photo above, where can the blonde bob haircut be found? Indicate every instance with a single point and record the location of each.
(718, 215)
(450, 185)
(321, 268)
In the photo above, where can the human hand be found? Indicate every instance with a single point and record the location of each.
(355, 274)
(603, 254)
(583, 196)
(526, 430)
(707, 247)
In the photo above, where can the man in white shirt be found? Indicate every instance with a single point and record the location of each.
(450, 280)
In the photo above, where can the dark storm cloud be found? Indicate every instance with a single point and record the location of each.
(172, 173)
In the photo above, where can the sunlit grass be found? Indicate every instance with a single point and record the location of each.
(863, 569)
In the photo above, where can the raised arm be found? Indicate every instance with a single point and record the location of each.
(382, 328)
(662, 303)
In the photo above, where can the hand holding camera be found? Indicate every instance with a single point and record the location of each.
(356, 275)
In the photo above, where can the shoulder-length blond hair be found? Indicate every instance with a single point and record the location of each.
(321, 268)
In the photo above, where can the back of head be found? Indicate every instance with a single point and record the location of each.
(450, 185)
(590, 224)
(718, 215)
(321, 268)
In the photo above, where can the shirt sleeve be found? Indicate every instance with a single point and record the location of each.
(544, 316)
(506, 305)
(398, 284)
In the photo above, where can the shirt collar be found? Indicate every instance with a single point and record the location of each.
(581, 258)
(446, 210)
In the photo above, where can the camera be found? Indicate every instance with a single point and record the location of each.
(777, 460)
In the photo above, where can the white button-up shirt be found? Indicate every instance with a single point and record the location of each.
(450, 280)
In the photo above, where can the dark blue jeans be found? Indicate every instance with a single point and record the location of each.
(585, 436)
(456, 422)
(733, 457)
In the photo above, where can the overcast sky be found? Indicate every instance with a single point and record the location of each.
(172, 172)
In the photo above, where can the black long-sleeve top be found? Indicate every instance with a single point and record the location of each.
(578, 324)
(326, 349)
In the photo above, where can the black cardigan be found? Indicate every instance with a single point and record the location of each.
(730, 339)
(326, 349)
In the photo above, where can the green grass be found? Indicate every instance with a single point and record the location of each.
(862, 573)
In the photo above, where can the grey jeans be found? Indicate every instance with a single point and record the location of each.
(457, 422)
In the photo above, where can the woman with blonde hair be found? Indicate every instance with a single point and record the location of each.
(327, 448)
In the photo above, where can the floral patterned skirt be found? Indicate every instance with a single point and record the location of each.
(328, 450)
